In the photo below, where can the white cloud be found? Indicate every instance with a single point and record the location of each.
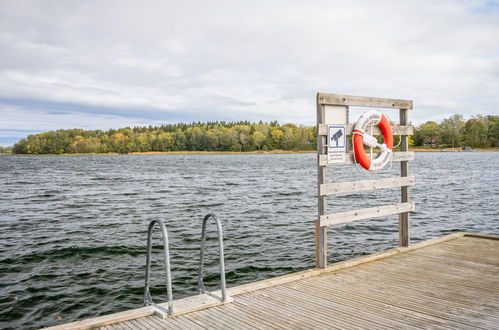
(248, 60)
(53, 119)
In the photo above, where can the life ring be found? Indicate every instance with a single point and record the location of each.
(361, 138)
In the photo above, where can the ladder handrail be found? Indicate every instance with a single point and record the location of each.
(147, 295)
(223, 286)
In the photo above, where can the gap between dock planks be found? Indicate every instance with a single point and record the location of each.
(201, 302)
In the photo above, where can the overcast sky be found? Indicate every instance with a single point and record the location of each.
(111, 64)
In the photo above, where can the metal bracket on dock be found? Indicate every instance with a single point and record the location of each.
(147, 295)
(223, 287)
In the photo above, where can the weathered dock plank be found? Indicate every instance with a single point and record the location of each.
(449, 282)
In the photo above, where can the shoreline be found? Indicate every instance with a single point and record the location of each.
(255, 152)
(451, 149)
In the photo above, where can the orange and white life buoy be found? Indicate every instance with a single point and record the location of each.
(361, 138)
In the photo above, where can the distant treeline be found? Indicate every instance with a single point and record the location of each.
(209, 136)
(479, 131)
(5, 150)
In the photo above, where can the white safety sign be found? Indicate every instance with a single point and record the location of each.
(336, 144)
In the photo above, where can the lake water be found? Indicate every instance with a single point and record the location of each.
(73, 228)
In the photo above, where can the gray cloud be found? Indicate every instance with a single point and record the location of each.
(120, 63)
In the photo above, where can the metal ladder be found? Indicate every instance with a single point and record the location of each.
(201, 288)
(147, 295)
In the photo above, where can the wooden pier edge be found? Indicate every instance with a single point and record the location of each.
(199, 302)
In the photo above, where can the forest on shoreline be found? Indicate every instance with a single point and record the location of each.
(201, 136)
(477, 132)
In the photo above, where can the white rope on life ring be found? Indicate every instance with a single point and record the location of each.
(361, 138)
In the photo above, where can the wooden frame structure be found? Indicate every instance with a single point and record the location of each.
(341, 103)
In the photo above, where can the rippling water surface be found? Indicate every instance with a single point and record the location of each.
(73, 228)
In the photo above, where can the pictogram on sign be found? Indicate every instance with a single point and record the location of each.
(336, 144)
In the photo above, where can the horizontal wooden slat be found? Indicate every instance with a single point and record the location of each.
(372, 212)
(398, 130)
(347, 187)
(362, 101)
(397, 157)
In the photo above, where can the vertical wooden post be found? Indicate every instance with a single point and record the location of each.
(404, 221)
(321, 232)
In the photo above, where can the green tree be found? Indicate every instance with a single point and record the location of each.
(179, 140)
(5, 150)
(277, 138)
(259, 139)
(21, 147)
(493, 133)
(429, 134)
(242, 136)
(226, 138)
(451, 130)
(120, 143)
(475, 132)
(165, 141)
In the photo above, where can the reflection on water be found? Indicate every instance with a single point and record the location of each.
(73, 228)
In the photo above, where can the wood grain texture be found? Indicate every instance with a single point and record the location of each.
(396, 130)
(362, 101)
(349, 159)
(404, 218)
(355, 186)
(448, 282)
(181, 306)
(371, 212)
(321, 232)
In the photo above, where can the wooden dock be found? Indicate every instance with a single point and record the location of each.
(448, 282)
